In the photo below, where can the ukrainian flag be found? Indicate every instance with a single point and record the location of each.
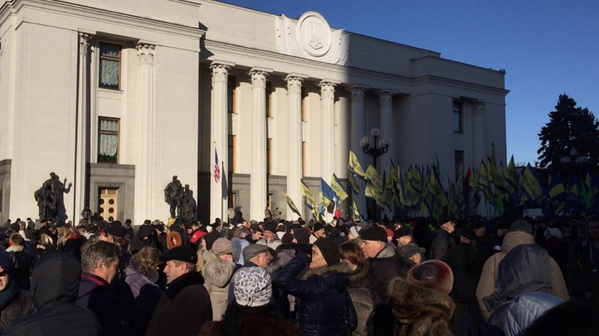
(338, 188)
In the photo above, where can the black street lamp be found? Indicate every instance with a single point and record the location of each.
(378, 148)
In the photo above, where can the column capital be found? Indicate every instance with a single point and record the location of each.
(294, 82)
(327, 88)
(258, 76)
(145, 52)
(84, 39)
(386, 96)
(478, 107)
(220, 70)
(358, 90)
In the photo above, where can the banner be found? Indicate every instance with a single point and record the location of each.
(292, 205)
(338, 188)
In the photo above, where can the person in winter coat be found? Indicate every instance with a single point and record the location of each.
(252, 312)
(218, 271)
(22, 260)
(421, 304)
(142, 276)
(70, 241)
(358, 281)
(55, 284)
(185, 305)
(466, 264)
(583, 266)
(325, 305)
(145, 237)
(270, 237)
(385, 265)
(442, 239)
(99, 265)
(520, 234)
(14, 302)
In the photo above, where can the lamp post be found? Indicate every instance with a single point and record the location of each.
(377, 149)
(573, 158)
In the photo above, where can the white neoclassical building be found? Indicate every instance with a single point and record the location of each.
(120, 96)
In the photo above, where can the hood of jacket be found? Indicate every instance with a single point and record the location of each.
(515, 238)
(361, 276)
(420, 311)
(145, 230)
(209, 256)
(56, 277)
(327, 271)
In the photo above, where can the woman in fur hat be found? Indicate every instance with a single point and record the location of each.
(359, 282)
(325, 305)
(421, 304)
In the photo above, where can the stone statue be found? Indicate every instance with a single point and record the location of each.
(188, 205)
(173, 195)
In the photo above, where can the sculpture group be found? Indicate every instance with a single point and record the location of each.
(50, 198)
(180, 199)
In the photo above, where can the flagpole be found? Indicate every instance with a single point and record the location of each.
(222, 205)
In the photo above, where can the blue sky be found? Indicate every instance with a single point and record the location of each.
(546, 47)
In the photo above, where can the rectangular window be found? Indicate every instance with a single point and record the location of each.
(269, 99)
(231, 89)
(459, 160)
(110, 66)
(303, 158)
(269, 156)
(457, 117)
(231, 166)
(109, 140)
(303, 103)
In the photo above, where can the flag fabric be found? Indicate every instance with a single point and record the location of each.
(373, 177)
(292, 205)
(354, 165)
(530, 185)
(355, 186)
(216, 167)
(355, 211)
(310, 201)
(326, 193)
(338, 188)
(510, 177)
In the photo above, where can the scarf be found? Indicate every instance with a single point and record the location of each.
(9, 294)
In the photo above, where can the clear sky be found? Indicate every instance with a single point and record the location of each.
(546, 47)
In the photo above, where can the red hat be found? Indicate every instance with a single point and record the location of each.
(389, 232)
(197, 235)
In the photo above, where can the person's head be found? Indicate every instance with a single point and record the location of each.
(253, 287)
(114, 234)
(16, 240)
(324, 253)
(318, 230)
(432, 274)
(223, 249)
(257, 254)
(354, 232)
(403, 235)
(101, 259)
(287, 238)
(147, 259)
(413, 253)
(374, 240)
(270, 231)
(351, 254)
(447, 223)
(593, 227)
(6, 270)
(179, 260)
(468, 236)
(256, 233)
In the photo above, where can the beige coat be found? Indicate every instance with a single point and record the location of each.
(217, 275)
(488, 278)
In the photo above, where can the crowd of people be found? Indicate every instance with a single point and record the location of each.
(407, 276)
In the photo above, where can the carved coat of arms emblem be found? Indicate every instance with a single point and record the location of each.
(315, 35)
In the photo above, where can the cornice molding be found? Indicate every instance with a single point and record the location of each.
(456, 83)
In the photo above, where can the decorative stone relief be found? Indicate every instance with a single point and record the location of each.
(311, 37)
(84, 43)
(294, 84)
(219, 72)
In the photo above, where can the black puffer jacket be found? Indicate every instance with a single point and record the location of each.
(325, 305)
(55, 283)
(466, 264)
(440, 245)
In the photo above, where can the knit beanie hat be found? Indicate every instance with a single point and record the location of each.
(402, 232)
(222, 246)
(432, 274)
(253, 287)
(521, 225)
(317, 226)
(6, 262)
(374, 232)
(329, 250)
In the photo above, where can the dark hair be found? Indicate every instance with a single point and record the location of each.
(351, 252)
(231, 322)
(287, 238)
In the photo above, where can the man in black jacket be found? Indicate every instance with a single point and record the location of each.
(442, 238)
(55, 282)
(99, 263)
(185, 306)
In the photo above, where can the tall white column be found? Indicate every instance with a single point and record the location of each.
(81, 196)
(144, 164)
(478, 132)
(294, 91)
(386, 122)
(327, 154)
(357, 132)
(258, 191)
(219, 136)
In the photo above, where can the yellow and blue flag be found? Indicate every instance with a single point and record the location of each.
(338, 188)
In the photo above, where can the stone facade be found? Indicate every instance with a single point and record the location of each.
(124, 95)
